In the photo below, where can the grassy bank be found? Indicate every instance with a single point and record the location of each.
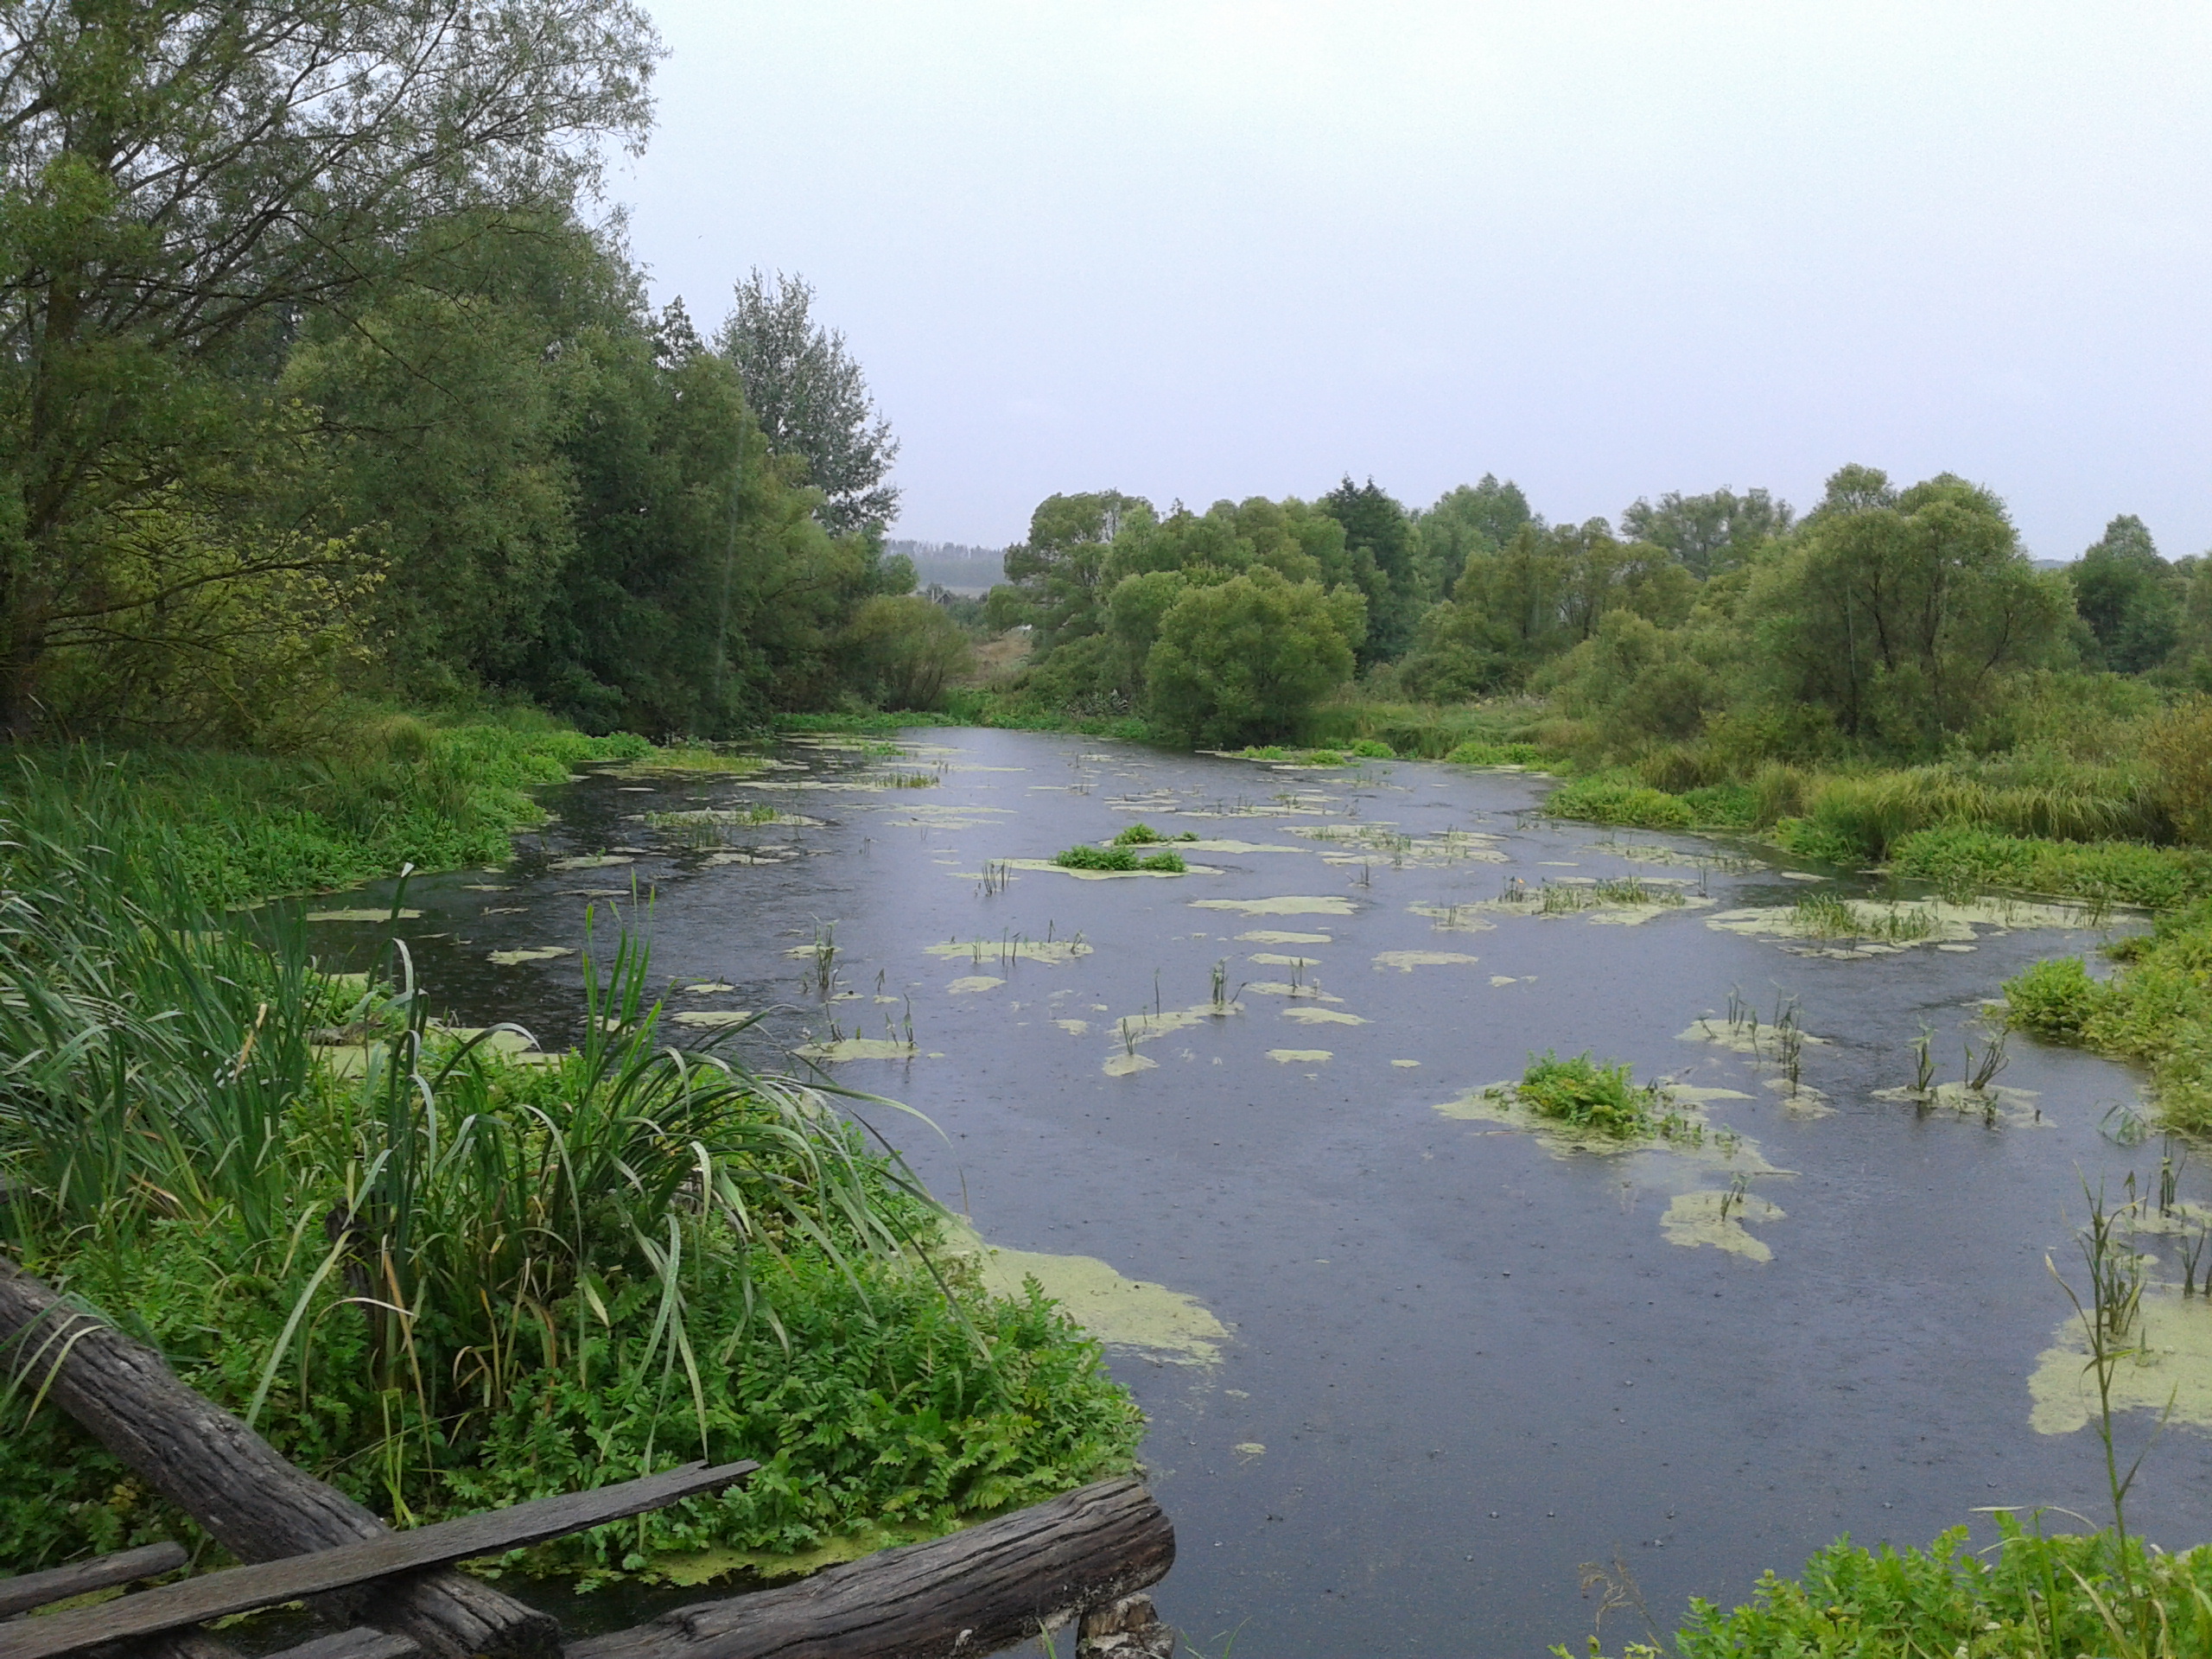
(396, 790)
(458, 1280)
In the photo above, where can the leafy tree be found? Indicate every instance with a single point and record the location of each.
(812, 400)
(901, 649)
(1901, 614)
(1469, 519)
(1061, 569)
(1241, 660)
(1379, 541)
(2129, 596)
(182, 183)
(1708, 533)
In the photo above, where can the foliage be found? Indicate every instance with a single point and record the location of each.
(900, 651)
(1586, 1094)
(2053, 999)
(1899, 615)
(461, 1281)
(1708, 534)
(1245, 658)
(1618, 801)
(2178, 747)
(2129, 597)
(183, 184)
(1121, 856)
(2034, 1593)
(812, 400)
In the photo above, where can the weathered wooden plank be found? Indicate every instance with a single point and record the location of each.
(358, 1643)
(232, 1481)
(29, 1590)
(975, 1592)
(242, 1589)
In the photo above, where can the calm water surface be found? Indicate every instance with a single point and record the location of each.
(1461, 1363)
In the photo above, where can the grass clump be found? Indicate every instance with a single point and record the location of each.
(1960, 860)
(1584, 1094)
(1120, 857)
(1143, 835)
(1367, 748)
(1618, 801)
(1478, 752)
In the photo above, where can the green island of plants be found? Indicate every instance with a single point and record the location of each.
(1084, 856)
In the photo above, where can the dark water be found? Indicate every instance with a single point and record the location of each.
(1474, 1364)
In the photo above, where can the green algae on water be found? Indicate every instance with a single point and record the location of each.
(1716, 1216)
(1119, 1311)
(1299, 1056)
(1293, 904)
(541, 953)
(2172, 1362)
(362, 915)
(1406, 961)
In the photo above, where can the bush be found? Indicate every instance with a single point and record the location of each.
(1612, 800)
(1086, 857)
(1138, 834)
(1245, 659)
(1368, 749)
(2033, 1594)
(900, 650)
(2123, 872)
(1809, 840)
(1478, 753)
(2055, 1000)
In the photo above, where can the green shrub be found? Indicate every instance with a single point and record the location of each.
(1611, 800)
(2055, 1000)
(1171, 862)
(1476, 753)
(1725, 806)
(1809, 840)
(1585, 1095)
(2031, 1595)
(1368, 749)
(1138, 834)
(1086, 857)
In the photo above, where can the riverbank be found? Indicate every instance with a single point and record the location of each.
(437, 1269)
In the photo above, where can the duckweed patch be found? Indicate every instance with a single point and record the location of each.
(1289, 905)
(1822, 924)
(1267, 936)
(1119, 1311)
(2173, 1362)
(1406, 961)
(969, 984)
(857, 1048)
(1716, 1218)
(368, 916)
(1322, 1016)
(1052, 953)
(1299, 1056)
(539, 953)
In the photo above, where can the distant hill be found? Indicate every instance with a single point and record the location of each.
(955, 565)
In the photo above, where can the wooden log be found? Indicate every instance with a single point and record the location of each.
(972, 1593)
(232, 1481)
(29, 1590)
(296, 1577)
(360, 1642)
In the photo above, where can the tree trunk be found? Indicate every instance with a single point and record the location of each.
(973, 1593)
(233, 1483)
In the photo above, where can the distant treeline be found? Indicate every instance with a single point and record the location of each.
(954, 566)
(1888, 620)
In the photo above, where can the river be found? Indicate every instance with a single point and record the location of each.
(1456, 1358)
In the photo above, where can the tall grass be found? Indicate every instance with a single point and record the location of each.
(442, 1279)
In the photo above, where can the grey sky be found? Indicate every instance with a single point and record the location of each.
(1203, 249)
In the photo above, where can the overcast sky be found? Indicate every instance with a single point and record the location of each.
(1196, 250)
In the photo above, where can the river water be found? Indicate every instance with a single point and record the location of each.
(1457, 1359)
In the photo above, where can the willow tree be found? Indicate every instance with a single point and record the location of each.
(180, 184)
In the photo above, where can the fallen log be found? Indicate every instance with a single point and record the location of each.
(972, 1593)
(232, 1482)
(29, 1590)
(296, 1577)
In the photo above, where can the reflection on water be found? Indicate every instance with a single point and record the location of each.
(1457, 1357)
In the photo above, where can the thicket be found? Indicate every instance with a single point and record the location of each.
(457, 1280)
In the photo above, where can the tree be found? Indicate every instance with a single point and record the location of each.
(812, 400)
(1472, 518)
(183, 183)
(1901, 614)
(2129, 596)
(900, 649)
(1241, 660)
(1061, 569)
(1708, 533)
(1379, 539)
